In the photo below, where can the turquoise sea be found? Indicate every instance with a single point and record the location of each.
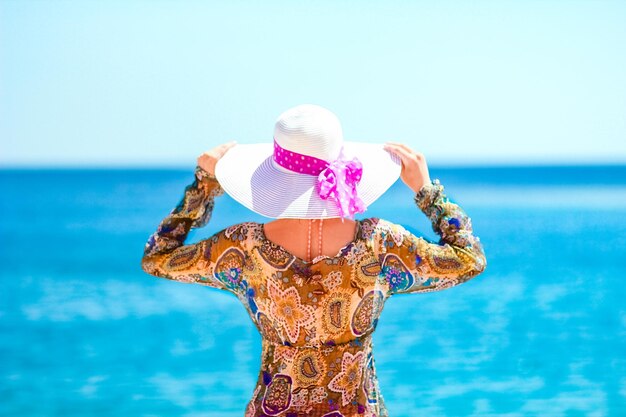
(85, 332)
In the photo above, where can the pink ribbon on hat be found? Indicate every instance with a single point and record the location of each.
(336, 179)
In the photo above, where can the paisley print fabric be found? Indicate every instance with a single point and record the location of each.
(316, 319)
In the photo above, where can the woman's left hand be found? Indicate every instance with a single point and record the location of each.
(208, 159)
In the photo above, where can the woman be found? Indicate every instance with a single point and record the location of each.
(315, 297)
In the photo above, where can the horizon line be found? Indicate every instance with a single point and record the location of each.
(437, 165)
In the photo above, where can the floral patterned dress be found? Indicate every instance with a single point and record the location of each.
(316, 318)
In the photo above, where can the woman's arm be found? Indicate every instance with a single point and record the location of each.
(165, 254)
(412, 264)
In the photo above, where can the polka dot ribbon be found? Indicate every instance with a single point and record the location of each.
(336, 179)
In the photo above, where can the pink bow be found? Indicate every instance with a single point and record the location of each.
(338, 181)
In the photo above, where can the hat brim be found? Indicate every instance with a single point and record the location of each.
(247, 173)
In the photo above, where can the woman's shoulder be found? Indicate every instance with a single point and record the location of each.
(244, 234)
(376, 227)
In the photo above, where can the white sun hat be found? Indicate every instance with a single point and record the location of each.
(309, 171)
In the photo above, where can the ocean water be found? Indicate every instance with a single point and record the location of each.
(85, 332)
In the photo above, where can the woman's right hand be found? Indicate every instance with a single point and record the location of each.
(208, 159)
(414, 169)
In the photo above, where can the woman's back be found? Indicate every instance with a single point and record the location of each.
(316, 320)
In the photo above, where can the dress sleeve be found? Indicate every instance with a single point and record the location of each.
(165, 254)
(412, 264)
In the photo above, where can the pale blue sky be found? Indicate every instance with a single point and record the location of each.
(96, 83)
